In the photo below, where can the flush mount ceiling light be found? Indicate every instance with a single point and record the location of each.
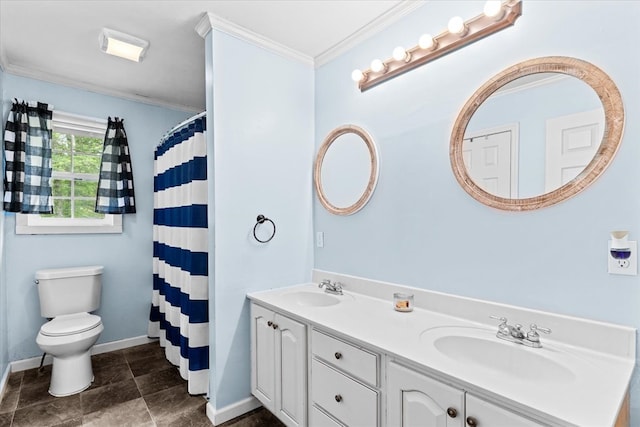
(123, 45)
(497, 16)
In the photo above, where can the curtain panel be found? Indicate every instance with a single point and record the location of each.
(27, 153)
(115, 184)
(179, 309)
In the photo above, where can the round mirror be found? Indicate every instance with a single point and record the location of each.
(537, 133)
(346, 170)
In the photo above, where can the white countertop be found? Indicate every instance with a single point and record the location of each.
(589, 393)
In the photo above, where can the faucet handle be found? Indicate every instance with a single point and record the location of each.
(324, 282)
(503, 320)
(536, 328)
(533, 335)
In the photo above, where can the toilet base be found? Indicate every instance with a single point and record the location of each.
(71, 375)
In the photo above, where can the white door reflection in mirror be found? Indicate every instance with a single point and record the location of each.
(491, 159)
(346, 170)
(572, 141)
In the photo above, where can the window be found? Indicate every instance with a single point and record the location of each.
(76, 153)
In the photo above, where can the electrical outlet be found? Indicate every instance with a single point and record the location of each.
(320, 239)
(628, 266)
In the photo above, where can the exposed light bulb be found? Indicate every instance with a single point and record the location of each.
(377, 65)
(493, 9)
(400, 54)
(426, 42)
(357, 75)
(456, 26)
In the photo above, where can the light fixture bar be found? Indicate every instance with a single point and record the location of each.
(445, 42)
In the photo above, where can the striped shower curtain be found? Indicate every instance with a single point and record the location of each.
(179, 309)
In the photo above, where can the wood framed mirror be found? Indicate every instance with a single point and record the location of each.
(603, 132)
(346, 170)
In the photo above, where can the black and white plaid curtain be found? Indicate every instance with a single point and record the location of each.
(27, 153)
(115, 186)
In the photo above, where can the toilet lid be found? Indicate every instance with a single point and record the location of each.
(70, 324)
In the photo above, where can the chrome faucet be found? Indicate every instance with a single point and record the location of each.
(514, 333)
(331, 287)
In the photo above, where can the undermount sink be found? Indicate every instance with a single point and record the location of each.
(481, 348)
(315, 299)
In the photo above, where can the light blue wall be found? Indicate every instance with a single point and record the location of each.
(4, 353)
(421, 229)
(126, 293)
(262, 107)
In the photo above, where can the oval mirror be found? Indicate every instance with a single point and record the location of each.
(346, 170)
(537, 133)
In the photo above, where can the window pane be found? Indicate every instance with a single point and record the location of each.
(61, 208)
(86, 164)
(61, 188)
(61, 142)
(87, 145)
(85, 188)
(85, 209)
(61, 161)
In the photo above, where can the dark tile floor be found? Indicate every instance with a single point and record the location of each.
(134, 387)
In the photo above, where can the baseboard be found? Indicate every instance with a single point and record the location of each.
(222, 415)
(34, 362)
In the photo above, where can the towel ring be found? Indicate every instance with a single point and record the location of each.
(261, 220)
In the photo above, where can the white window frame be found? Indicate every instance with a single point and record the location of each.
(36, 224)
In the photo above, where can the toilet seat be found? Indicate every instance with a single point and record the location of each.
(70, 324)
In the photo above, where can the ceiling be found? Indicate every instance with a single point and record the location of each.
(57, 40)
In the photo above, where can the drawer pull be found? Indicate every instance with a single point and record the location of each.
(338, 398)
(452, 412)
(269, 323)
(338, 355)
(472, 422)
(275, 326)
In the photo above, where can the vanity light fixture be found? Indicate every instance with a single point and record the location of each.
(123, 45)
(497, 16)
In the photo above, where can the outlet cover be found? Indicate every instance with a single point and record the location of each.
(621, 267)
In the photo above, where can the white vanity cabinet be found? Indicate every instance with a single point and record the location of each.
(279, 365)
(344, 383)
(415, 399)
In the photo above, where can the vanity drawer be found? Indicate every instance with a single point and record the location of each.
(317, 418)
(353, 360)
(347, 400)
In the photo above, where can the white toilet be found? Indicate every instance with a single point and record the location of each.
(67, 296)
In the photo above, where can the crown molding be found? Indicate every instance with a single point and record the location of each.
(210, 21)
(393, 15)
(64, 81)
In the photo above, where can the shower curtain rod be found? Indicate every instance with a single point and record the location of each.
(181, 125)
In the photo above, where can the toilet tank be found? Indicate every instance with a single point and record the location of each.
(69, 290)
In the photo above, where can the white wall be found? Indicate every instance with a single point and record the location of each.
(127, 279)
(260, 106)
(421, 229)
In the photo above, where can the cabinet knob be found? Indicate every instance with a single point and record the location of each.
(472, 422)
(452, 412)
(275, 326)
(338, 355)
(269, 323)
(338, 398)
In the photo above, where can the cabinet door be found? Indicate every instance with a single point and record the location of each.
(414, 399)
(485, 414)
(263, 375)
(291, 371)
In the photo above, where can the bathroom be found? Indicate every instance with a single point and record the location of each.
(420, 228)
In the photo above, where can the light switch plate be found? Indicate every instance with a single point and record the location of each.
(320, 239)
(616, 268)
